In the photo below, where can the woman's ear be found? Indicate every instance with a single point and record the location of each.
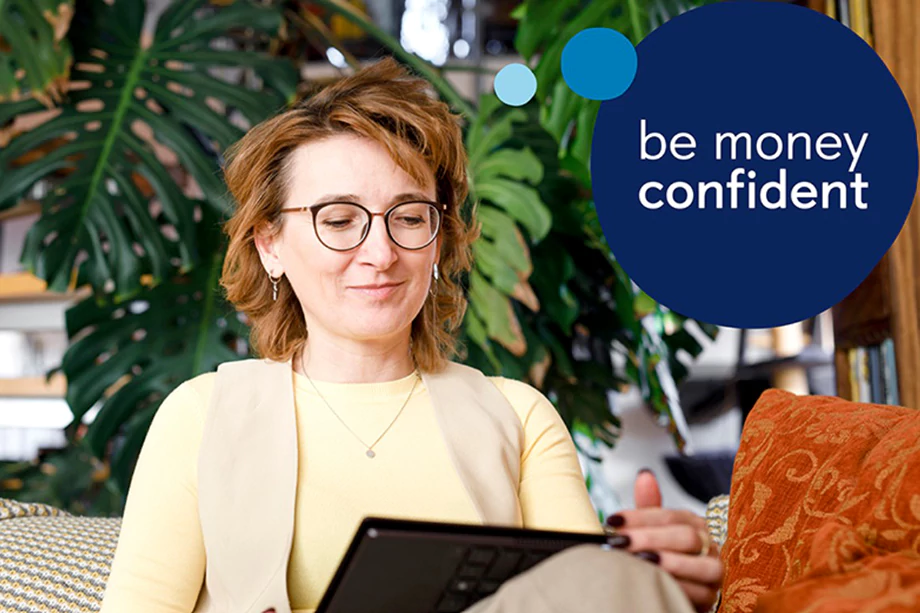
(267, 244)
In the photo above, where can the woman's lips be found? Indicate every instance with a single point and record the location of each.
(378, 291)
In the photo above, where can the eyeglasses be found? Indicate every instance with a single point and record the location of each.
(342, 226)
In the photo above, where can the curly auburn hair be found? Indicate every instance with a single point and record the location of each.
(384, 103)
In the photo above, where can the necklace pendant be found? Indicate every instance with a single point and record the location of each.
(370, 453)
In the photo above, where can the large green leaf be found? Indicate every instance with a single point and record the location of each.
(10, 110)
(149, 116)
(538, 22)
(559, 114)
(492, 127)
(520, 202)
(502, 183)
(517, 164)
(497, 313)
(506, 239)
(34, 55)
(145, 347)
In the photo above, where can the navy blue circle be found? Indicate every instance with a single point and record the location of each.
(753, 67)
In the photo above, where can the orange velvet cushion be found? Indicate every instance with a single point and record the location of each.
(825, 508)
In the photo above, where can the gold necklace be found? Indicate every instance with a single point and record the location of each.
(370, 448)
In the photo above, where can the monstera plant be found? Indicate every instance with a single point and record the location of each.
(130, 169)
(127, 171)
(35, 54)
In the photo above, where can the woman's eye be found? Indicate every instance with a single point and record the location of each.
(410, 221)
(337, 224)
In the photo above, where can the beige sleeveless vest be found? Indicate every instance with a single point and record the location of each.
(247, 473)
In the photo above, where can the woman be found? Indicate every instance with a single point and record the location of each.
(345, 253)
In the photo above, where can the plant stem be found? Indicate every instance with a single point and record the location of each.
(61, 280)
(638, 32)
(465, 68)
(207, 312)
(310, 22)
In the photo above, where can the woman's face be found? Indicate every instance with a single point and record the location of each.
(374, 291)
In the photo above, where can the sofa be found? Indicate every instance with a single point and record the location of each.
(824, 508)
(825, 517)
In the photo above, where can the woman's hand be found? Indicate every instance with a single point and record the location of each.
(678, 541)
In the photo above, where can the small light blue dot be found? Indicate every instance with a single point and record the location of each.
(515, 84)
(599, 63)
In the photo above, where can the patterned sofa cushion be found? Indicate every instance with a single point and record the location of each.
(717, 519)
(825, 508)
(52, 561)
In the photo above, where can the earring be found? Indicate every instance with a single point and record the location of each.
(274, 281)
(434, 285)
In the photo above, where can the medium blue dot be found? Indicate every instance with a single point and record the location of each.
(515, 84)
(599, 63)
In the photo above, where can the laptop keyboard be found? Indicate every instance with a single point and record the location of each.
(482, 572)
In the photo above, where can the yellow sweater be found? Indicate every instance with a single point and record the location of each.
(160, 560)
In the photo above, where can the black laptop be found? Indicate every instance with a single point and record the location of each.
(401, 566)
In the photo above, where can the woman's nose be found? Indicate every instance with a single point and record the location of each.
(377, 247)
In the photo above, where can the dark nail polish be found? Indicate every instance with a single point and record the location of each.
(620, 541)
(648, 556)
(616, 521)
(648, 470)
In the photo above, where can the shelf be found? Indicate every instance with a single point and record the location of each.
(26, 207)
(25, 287)
(34, 387)
(886, 305)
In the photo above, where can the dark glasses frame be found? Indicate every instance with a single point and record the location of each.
(316, 208)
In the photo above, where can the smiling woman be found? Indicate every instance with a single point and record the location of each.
(346, 251)
(352, 142)
(360, 281)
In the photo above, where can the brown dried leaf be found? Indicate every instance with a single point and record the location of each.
(539, 369)
(517, 346)
(60, 21)
(526, 296)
